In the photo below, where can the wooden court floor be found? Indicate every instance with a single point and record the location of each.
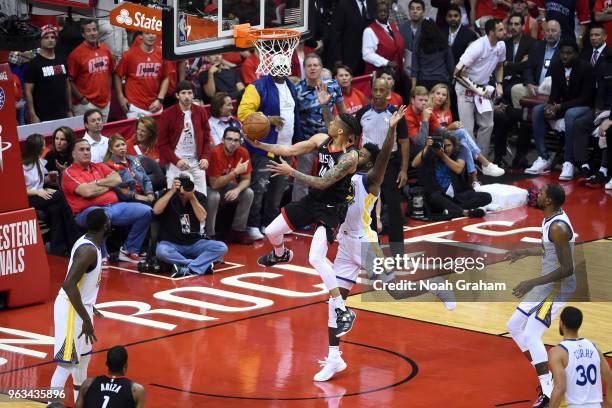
(251, 336)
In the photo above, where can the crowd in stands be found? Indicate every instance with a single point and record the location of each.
(479, 78)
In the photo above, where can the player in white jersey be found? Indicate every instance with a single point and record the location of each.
(546, 294)
(578, 367)
(74, 304)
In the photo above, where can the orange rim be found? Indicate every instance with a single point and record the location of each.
(246, 36)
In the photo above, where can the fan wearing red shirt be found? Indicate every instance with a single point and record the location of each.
(87, 186)
(229, 177)
(147, 77)
(394, 98)
(603, 15)
(354, 99)
(494, 8)
(417, 118)
(90, 68)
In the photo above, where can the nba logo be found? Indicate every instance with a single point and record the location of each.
(182, 28)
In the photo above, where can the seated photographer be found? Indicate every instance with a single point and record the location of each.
(229, 177)
(181, 213)
(442, 175)
(135, 184)
(87, 186)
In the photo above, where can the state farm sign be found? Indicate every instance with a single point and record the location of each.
(137, 18)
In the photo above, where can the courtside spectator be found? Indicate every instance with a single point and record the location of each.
(183, 138)
(442, 175)
(60, 155)
(62, 229)
(88, 185)
(297, 59)
(354, 99)
(571, 94)
(275, 97)
(542, 54)
(146, 76)
(92, 119)
(530, 24)
(229, 178)
(417, 116)
(221, 118)
(518, 47)
(382, 43)
(481, 59)
(389, 73)
(90, 70)
(432, 61)
(411, 30)
(181, 215)
(46, 81)
(135, 184)
(312, 113)
(143, 143)
(220, 77)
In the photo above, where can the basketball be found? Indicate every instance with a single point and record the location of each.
(256, 126)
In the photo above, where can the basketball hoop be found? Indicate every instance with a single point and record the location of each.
(275, 47)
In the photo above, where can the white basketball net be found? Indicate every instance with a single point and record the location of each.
(275, 55)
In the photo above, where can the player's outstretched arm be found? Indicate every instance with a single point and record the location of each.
(375, 176)
(80, 402)
(138, 392)
(297, 149)
(555, 362)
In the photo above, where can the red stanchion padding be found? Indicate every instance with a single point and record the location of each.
(24, 270)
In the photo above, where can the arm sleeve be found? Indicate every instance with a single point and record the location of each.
(249, 103)
(368, 49)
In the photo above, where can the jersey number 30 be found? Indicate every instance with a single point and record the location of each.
(588, 375)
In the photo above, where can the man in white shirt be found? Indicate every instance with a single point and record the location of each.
(99, 144)
(473, 72)
(383, 44)
(221, 116)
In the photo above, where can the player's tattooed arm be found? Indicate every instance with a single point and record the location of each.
(346, 165)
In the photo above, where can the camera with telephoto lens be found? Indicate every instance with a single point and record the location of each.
(186, 182)
(438, 143)
(149, 265)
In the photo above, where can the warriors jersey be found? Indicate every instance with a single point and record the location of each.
(358, 217)
(550, 259)
(90, 282)
(582, 374)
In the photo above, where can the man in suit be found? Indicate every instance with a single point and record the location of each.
(459, 37)
(443, 5)
(570, 98)
(600, 57)
(539, 59)
(517, 51)
(350, 18)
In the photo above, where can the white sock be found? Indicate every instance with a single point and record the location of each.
(604, 171)
(279, 251)
(338, 303)
(60, 376)
(76, 395)
(586, 167)
(546, 381)
(334, 352)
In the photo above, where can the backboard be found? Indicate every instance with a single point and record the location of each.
(198, 27)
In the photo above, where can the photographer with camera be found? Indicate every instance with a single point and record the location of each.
(181, 213)
(442, 175)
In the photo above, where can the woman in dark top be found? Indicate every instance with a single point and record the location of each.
(60, 156)
(442, 174)
(62, 228)
(432, 62)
